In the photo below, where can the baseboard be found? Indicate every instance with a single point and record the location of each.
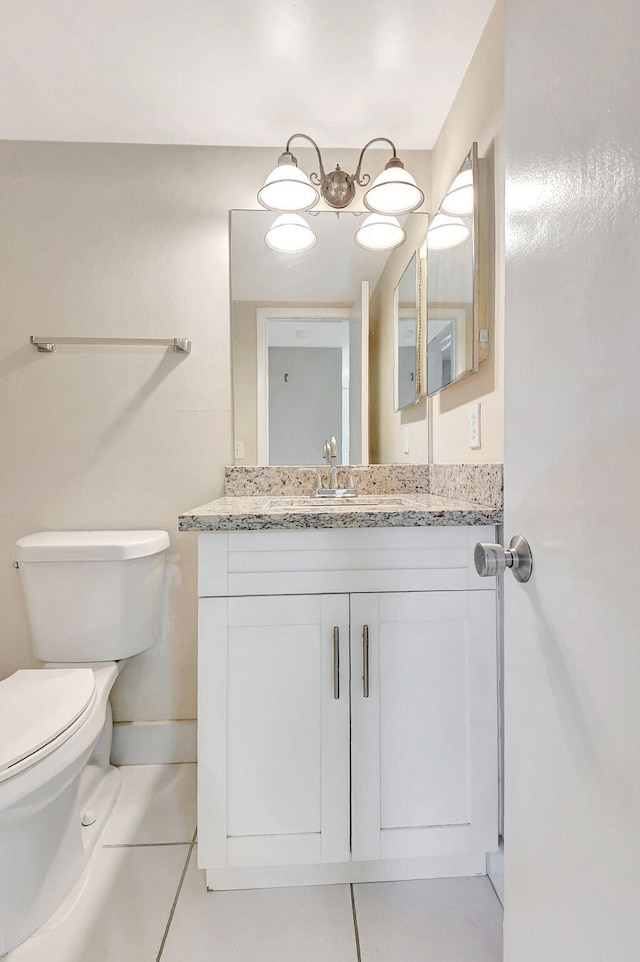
(154, 743)
(389, 870)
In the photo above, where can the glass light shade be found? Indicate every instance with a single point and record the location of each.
(290, 234)
(459, 198)
(394, 191)
(446, 232)
(288, 188)
(380, 232)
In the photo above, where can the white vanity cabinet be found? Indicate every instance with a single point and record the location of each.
(347, 706)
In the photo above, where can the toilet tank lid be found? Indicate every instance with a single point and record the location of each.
(89, 545)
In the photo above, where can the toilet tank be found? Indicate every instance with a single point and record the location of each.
(92, 595)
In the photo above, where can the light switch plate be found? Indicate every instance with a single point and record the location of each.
(239, 450)
(405, 439)
(474, 425)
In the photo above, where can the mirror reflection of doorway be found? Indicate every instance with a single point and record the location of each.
(308, 363)
(311, 374)
(305, 405)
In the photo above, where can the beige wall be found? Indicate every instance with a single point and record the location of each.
(477, 114)
(108, 240)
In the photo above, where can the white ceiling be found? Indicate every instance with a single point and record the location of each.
(233, 72)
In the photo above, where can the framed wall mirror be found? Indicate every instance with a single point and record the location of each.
(300, 335)
(452, 281)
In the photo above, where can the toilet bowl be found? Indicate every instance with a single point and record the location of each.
(94, 600)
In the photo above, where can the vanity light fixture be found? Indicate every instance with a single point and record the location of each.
(380, 232)
(459, 197)
(287, 188)
(446, 232)
(290, 234)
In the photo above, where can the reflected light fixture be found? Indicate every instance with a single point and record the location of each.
(380, 232)
(446, 232)
(459, 197)
(290, 234)
(287, 188)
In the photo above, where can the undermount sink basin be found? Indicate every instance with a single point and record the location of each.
(380, 501)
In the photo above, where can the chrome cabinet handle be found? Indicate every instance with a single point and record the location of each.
(336, 662)
(365, 661)
(492, 559)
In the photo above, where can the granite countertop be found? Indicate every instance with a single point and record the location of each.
(239, 513)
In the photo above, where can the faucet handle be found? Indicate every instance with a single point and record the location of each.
(353, 470)
(318, 479)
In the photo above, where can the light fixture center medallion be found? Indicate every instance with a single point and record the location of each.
(338, 188)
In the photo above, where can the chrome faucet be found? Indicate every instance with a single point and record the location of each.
(330, 452)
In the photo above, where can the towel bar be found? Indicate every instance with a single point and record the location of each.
(49, 344)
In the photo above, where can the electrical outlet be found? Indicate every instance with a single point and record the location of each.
(405, 438)
(474, 426)
(239, 450)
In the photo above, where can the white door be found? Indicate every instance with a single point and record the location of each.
(423, 724)
(572, 480)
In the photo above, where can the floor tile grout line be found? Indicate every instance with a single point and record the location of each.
(177, 896)
(355, 922)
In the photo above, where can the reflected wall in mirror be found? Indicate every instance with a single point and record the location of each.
(452, 281)
(299, 332)
(409, 321)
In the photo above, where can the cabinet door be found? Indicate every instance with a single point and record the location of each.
(273, 730)
(424, 741)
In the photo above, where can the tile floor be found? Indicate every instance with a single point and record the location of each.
(143, 900)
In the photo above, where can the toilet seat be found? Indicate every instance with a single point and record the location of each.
(39, 710)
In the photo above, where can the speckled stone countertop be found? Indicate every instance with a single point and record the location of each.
(259, 513)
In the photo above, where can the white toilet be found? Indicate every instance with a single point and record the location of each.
(93, 599)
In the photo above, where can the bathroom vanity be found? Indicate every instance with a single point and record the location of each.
(347, 691)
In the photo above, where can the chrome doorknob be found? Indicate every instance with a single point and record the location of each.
(491, 559)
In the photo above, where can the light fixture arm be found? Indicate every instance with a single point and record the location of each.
(364, 180)
(313, 176)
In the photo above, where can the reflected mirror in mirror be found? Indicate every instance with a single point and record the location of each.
(300, 332)
(407, 333)
(452, 283)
